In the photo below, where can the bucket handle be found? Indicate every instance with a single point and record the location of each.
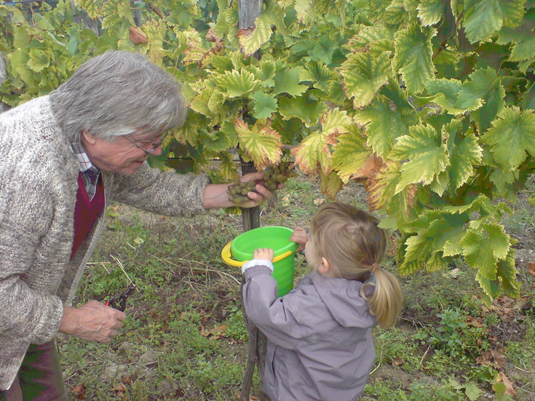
(226, 255)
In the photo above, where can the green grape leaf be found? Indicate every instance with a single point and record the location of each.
(335, 122)
(266, 73)
(452, 240)
(227, 169)
(503, 180)
(418, 248)
(484, 86)
(383, 125)
(350, 154)
(491, 287)
(512, 12)
(91, 7)
(287, 81)
(436, 262)
(219, 62)
(38, 60)
(72, 45)
(413, 56)
(218, 141)
(200, 102)
(262, 144)
(445, 93)
(446, 230)
(216, 102)
(483, 20)
(306, 108)
(440, 183)
(394, 12)
(523, 51)
(369, 35)
(20, 60)
(364, 74)
(511, 137)
(318, 74)
(237, 83)
(464, 154)
(524, 65)
(463, 157)
(330, 184)
(305, 10)
(426, 154)
(482, 251)
(189, 132)
(124, 9)
(431, 11)
(264, 104)
(42, 23)
(323, 50)
(112, 20)
(508, 273)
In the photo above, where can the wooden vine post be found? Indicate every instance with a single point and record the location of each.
(249, 10)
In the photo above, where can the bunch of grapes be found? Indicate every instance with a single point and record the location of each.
(273, 176)
(238, 190)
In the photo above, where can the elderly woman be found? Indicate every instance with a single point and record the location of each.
(63, 158)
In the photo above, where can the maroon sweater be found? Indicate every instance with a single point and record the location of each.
(86, 212)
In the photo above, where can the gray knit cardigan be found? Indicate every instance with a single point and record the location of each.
(38, 185)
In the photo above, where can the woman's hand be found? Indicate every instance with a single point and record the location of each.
(264, 254)
(93, 321)
(300, 236)
(215, 195)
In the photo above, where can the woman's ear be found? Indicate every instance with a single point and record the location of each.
(324, 267)
(88, 138)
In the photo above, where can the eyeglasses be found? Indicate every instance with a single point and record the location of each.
(154, 145)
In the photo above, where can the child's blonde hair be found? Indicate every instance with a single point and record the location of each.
(354, 245)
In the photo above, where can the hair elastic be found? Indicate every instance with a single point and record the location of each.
(375, 266)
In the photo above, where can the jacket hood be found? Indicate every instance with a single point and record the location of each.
(344, 300)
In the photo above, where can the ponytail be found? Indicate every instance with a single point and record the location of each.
(387, 299)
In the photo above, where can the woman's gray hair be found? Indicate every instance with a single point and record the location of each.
(116, 94)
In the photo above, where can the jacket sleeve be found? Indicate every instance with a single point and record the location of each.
(276, 317)
(26, 206)
(167, 193)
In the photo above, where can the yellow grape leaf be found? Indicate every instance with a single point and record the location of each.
(350, 154)
(310, 153)
(262, 144)
(331, 184)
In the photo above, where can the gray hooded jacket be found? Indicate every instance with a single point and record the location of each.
(319, 338)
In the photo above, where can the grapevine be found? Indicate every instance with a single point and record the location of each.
(430, 104)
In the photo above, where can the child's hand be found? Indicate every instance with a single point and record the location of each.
(263, 253)
(300, 236)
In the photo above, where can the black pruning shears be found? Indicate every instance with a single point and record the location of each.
(119, 301)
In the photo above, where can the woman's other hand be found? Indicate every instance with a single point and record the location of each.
(93, 321)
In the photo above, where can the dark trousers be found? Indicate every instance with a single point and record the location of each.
(39, 377)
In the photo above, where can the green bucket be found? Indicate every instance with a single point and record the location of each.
(240, 250)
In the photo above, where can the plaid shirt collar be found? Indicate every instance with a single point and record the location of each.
(89, 172)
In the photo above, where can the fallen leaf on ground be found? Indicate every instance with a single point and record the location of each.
(509, 386)
(531, 268)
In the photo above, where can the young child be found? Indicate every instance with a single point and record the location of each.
(319, 341)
